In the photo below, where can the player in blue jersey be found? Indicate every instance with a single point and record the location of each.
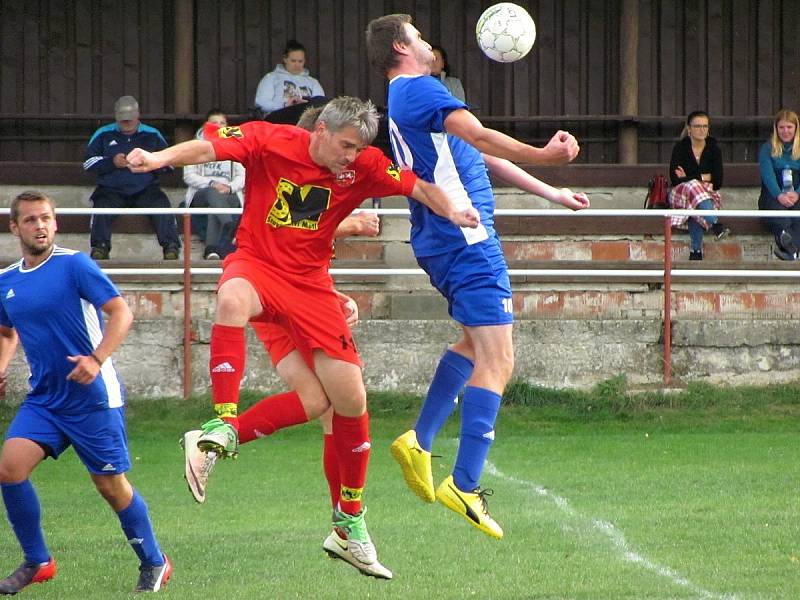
(51, 300)
(433, 133)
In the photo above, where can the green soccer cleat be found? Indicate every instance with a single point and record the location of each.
(337, 547)
(470, 505)
(416, 465)
(219, 437)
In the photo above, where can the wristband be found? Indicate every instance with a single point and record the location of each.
(97, 360)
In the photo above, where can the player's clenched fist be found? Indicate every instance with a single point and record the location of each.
(467, 218)
(141, 161)
(561, 149)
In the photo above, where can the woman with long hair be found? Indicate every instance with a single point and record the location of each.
(779, 164)
(696, 171)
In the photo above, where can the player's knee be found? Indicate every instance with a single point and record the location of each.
(315, 405)
(351, 406)
(507, 367)
(232, 309)
(114, 489)
(12, 474)
(498, 367)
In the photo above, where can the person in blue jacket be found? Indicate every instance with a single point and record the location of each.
(119, 187)
(779, 164)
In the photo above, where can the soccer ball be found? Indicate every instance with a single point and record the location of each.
(505, 32)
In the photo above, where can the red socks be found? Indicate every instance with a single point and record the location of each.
(269, 415)
(351, 441)
(226, 365)
(330, 464)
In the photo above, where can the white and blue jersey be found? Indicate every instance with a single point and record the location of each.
(466, 265)
(418, 106)
(55, 309)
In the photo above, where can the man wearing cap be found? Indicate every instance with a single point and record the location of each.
(118, 186)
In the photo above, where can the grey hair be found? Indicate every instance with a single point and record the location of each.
(347, 111)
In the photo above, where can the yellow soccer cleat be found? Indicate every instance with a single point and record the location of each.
(470, 505)
(416, 465)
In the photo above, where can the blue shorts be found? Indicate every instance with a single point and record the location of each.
(474, 279)
(99, 436)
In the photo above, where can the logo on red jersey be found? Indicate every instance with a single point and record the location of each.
(298, 206)
(345, 178)
(230, 132)
(393, 171)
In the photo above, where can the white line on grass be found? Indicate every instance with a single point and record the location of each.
(612, 533)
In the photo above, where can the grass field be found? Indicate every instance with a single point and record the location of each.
(602, 496)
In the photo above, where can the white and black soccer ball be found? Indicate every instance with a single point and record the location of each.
(505, 32)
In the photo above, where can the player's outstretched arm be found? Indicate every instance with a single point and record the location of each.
(192, 152)
(519, 178)
(434, 198)
(561, 149)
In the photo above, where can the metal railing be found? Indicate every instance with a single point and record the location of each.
(667, 274)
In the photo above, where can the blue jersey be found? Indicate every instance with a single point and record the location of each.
(418, 106)
(55, 308)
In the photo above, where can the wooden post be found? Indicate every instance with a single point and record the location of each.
(629, 80)
(184, 68)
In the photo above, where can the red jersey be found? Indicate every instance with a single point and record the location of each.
(292, 205)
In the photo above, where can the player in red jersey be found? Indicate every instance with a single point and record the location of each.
(300, 186)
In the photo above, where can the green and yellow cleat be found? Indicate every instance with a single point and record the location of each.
(219, 437)
(470, 505)
(415, 464)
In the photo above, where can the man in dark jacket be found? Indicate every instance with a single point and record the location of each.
(118, 187)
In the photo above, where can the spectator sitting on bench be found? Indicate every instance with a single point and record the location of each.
(695, 171)
(440, 69)
(118, 187)
(217, 184)
(285, 92)
(779, 164)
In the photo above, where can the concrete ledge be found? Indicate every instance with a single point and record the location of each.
(402, 355)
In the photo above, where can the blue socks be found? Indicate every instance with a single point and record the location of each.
(479, 409)
(25, 515)
(451, 375)
(136, 524)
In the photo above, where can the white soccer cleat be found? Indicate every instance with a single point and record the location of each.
(339, 547)
(197, 465)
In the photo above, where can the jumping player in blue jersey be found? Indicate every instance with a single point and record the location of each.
(51, 300)
(434, 134)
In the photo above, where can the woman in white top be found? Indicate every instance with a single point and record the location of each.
(216, 184)
(281, 91)
(440, 69)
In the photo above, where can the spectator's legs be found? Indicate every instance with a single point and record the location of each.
(794, 228)
(219, 228)
(696, 230)
(775, 224)
(165, 226)
(200, 222)
(103, 197)
(289, 115)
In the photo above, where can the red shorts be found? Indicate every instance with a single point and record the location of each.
(306, 308)
(275, 338)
